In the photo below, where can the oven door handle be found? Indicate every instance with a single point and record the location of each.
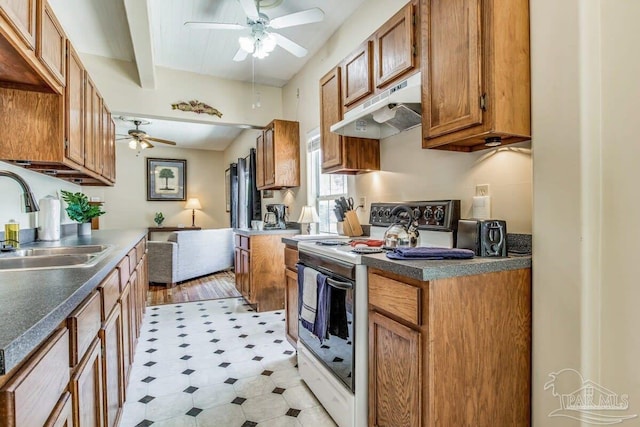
(338, 284)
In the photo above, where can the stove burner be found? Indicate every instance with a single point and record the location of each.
(331, 243)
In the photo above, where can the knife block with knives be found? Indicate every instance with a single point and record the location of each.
(347, 218)
(351, 225)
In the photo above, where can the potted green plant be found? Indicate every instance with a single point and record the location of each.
(158, 219)
(80, 210)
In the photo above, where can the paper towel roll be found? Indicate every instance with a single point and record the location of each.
(482, 207)
(49, 217)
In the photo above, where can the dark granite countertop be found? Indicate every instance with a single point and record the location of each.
(34, 302)
(439, 269)
(250, 232)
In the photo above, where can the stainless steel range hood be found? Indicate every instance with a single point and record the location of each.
(395, 110)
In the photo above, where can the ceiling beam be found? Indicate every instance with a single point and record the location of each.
(140, 30)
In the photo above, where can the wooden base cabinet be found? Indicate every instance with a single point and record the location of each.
(31, 395)
(291, 294)
(258, 268)
(78, 376)
(87, 388)
(62, 415)
(112, 367)
(450, 352)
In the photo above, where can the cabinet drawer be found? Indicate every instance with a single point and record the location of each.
(30, 397)
(290, 257)
(392, 296)
(109, 292)
(133, 261)
(84, 324)
(123, 268)
(243, 242)
(141, 248)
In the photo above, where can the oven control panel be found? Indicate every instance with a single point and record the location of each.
(437, 215)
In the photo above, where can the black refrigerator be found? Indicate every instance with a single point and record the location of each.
(245, 198)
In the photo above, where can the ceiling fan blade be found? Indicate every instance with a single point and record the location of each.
(290, 45)
(124, 138)
(164, 141)
(299, 18)
(250, 9)
(241, 55)
(214, 25)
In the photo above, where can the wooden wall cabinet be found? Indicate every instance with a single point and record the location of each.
(44, 98)
(260, 164)
(258, 268)
(20, 20)
(51, 42)
(357, 74)
(396, 46)
(442, 341)
(291, 293)
(278, 155)
(74, 98)
(475, 73)
(344, 155)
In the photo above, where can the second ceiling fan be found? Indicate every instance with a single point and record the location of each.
(261, 42)
(139, 139)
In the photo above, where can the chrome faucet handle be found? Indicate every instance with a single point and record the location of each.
(4, 247)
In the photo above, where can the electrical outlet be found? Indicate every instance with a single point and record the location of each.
(482, 190)
(362, 201)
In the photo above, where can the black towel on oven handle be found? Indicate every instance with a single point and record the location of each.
(338, 314)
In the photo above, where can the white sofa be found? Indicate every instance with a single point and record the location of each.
(188, 254)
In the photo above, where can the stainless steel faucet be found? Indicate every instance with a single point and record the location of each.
(30, 204)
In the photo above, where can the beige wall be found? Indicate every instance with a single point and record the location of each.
(126, 203)
(620, 294)
(12, 205)
(117, 81)
(585, 177)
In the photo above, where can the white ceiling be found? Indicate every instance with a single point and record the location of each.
(155, 36)
(193, 135)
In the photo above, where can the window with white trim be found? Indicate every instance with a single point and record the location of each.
(324, 188)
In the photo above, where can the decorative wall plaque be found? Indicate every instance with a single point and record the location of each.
(197, 107)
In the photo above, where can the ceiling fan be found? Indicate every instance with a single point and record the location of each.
(261, 42)
(139, 140)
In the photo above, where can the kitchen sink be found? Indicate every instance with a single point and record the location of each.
(53, 257)
(60, 250)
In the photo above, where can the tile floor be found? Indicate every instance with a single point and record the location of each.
(217, 363)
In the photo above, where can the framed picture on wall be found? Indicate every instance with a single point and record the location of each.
(166, 179)
(227, 189)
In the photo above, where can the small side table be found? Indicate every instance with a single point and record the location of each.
(168, 229)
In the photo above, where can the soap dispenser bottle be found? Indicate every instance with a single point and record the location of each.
(12, 233)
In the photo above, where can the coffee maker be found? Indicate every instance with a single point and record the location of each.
(275, 219)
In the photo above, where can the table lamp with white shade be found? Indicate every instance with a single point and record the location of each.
(308, 216)
(193, 204)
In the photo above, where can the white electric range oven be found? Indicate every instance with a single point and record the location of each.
(336, 369)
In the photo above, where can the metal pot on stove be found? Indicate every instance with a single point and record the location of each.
(399, 235)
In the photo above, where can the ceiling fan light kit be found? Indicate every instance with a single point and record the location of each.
(138, 139)
(261, 42)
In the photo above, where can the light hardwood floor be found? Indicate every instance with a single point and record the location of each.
(214, 286)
